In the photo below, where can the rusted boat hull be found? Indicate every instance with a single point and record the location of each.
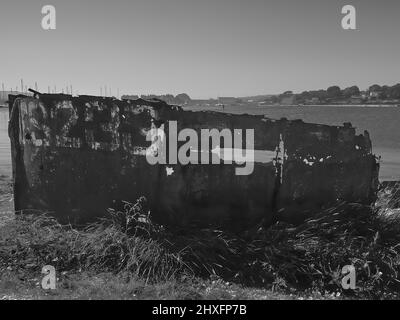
(78, 156)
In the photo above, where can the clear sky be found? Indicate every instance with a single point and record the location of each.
(206, 48)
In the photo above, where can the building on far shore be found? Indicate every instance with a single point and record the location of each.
(374, 94)
(288, 99)
(356, 100)
(313, 100)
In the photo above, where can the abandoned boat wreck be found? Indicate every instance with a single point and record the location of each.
(75, 157)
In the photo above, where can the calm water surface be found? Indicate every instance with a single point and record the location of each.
(383, 124)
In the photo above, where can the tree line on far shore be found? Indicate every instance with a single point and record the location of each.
(335, 93)
(179, 99)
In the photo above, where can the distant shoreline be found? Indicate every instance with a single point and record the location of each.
(337, 105)
(245, 105)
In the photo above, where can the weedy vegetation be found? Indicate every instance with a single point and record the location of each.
(145, 260)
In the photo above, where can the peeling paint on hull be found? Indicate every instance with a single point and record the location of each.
(78, 156)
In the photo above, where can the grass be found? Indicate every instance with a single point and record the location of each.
(128, 257)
